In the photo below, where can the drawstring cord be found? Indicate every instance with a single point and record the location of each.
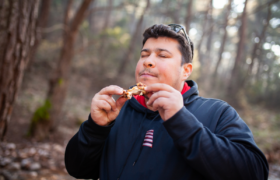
(142, 143)
(139, 129)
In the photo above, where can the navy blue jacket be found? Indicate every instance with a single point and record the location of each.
(206, 139)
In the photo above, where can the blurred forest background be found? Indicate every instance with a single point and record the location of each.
(56, 54)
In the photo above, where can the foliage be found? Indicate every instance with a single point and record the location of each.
(41, 115)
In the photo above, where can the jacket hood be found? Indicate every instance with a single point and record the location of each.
(192, 93)
(188, 97)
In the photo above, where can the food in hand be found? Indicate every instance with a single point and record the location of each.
(135, 90)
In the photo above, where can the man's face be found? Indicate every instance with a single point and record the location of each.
(160, 62)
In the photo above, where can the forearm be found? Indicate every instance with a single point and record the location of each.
(227, 155)
(84, 150)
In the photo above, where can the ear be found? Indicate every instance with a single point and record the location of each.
(187, 70)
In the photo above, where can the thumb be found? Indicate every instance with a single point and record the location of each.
(120, 102)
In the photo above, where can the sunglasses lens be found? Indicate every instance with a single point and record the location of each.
(177, 29)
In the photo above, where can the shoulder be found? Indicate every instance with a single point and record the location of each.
(210, 104)
(213, 112)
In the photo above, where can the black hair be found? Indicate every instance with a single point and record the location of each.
(162, 30)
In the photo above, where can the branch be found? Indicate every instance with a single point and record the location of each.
(67, 12)
(80, 14)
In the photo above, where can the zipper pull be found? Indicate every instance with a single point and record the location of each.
(134, 163)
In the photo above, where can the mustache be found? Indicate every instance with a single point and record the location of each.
(147, 70)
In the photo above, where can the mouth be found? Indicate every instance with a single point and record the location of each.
(146, 74)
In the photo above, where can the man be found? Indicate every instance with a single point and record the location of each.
(172, 133)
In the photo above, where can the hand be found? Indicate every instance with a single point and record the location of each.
(165, 99)
(104, 109)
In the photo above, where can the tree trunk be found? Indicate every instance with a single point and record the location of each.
(90, 18)
(210, 17)
(205, 31)
(234, 87)
(128, 55)
(188, 17)
(108, 14)
(177, 13)
(17, 36)
(41, 23)
(59, 82)
(103, 39)
(210, 37)
(202, 55)
(223, 40)
(132, 19)
(261, 37)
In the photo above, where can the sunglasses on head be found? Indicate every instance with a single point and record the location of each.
(177, 28)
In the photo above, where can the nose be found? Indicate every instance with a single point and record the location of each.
(149, 62)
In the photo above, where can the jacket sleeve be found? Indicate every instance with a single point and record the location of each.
(84, 150)
(228, 153)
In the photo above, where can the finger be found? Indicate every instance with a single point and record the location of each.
(159, 103)
(104, 105)
(158, 95)
(159, 87)
(111, 90)
(120, 102)
(109, 100)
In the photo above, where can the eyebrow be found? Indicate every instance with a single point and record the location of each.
(158, 49)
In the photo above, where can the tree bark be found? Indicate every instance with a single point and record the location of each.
(205, 31)
(210, 36)
(103, 39)
(58, 85)
(128, 55)
(41, 23)
(177, 13)
(223, 39)
(59, 82)
(261, 37)
(205, 67)
(90, 18)
(17, 36)
(188, 17)
(203, 55)
(108, 14)
(234, 87)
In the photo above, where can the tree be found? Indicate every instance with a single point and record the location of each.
(233, 87)
(210, 35)
(223, 39)
(260, 40)
(41, 23)
(51, 110)
(17, 36)
(129, 52)
(104, 27)
(188, 17)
